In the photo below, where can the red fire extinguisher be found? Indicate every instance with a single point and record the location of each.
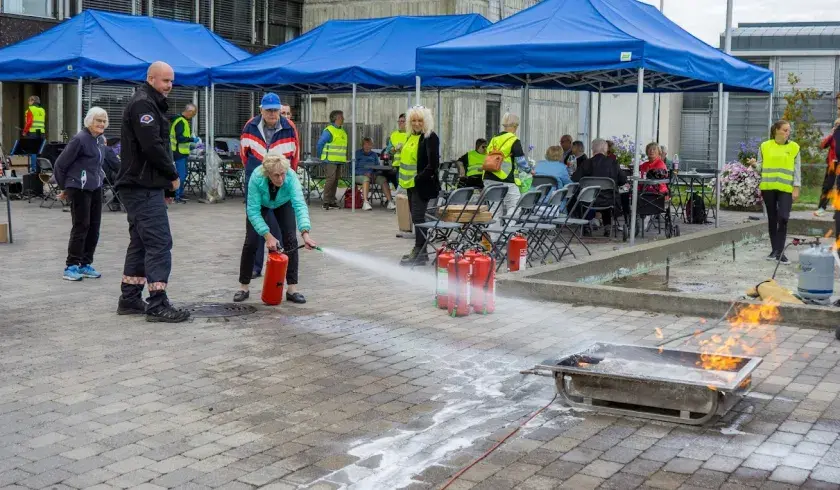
(517, 253)
(471, 255)
(275, 277)
(459, 286)
(445, 256)
(484, 284)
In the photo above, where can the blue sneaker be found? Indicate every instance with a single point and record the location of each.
(72, 273)
(89, 271)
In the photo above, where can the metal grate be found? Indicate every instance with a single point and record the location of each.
(121, 6)
(232, 20)
(218, 310)
(112, 98)
(183, 10)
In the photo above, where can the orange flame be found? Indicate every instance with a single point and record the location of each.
(751, 321)
(659, 333)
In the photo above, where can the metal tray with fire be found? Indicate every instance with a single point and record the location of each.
(652, 382)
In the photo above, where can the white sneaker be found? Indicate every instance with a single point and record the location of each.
(391, 205)
(819, 212)
(366, 206)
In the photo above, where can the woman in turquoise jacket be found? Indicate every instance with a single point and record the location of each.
(273, 188)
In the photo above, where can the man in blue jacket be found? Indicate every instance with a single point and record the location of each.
(269, 133)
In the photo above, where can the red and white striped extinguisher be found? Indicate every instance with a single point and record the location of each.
(517, 253)
(484, 284)
(459, 286)
(444, 257)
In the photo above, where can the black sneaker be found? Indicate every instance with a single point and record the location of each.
(416, 257)
(134, 306)
(328, 206)
(167, 314)
(773, 256)
(784, 260)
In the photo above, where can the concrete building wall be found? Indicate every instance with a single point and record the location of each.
(618, 117)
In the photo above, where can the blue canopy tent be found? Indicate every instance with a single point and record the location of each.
(612, 46)
(104, 46)
(345, 55)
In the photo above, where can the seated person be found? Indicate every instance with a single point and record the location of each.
(365, 159)
(472, 161)
(578, 154)
(554, 167)
(600, 165)
(654, 163)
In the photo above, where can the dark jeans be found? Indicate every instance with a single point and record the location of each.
(148, 259)
(828, 184)
(259, 255)
(418, 215)
(86, 214)
(778, 206)
(285, 216)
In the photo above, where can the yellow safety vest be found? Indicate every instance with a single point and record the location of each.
(396, 138)
(182, 148)
(408, 166)
(475, 161)
(39, 117)
(335, 150)
(778, 162)
(503, 143)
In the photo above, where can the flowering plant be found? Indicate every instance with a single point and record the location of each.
(748, 150)
(739, 185)
(625, 148)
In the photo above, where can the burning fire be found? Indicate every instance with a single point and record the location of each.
(716, 353)
(659, 333)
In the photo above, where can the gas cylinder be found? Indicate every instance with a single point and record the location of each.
(275, 277)
(484, 284)
(816, 274)
(459, 286)
(517, 253)
(445, 256)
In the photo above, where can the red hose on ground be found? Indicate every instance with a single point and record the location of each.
(495, 446)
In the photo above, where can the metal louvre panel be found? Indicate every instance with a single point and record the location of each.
(204, 13)
(816, 72)
(233, 109)
(748, 118)
(183, 10)
(696, 147)
(232, 20)
(112, 98)
(121, 6)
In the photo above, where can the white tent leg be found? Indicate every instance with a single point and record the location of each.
(526, 129)
(640, 87)
(600, 103)
(353, 154)
(416, 90)
(438, 128)
(80, 86)
(309, 125)
(721, 145)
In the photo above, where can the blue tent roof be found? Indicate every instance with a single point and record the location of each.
(591, 45)
(373, 53)
(110, 46)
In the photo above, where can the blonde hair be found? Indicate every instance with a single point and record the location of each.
(274, 163)
(554, 153)
(426, 114)
(510, 120)
(92, 113)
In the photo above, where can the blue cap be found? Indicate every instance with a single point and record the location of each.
(270, 101)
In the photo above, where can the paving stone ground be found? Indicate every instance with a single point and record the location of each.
(366, 386)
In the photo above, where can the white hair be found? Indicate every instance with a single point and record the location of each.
(426, 114)
(599, 146)
(510, 120)
(273, 163)
(93, 113)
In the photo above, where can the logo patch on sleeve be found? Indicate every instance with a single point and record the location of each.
(146, 119)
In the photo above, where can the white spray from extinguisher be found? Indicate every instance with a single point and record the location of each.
(418, 276)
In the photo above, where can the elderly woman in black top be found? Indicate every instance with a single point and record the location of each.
(419, 161)
(78, 173)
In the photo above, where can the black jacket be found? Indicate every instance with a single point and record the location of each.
(79, 166)
(146, 158)
(427, 180)
(601, 166)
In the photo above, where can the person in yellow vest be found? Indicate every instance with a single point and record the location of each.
(420, 159)
(34, 126)
(514, 157)
(781, 176)
(181, 141)
(332, 149)
(393, 148)
(470, 166)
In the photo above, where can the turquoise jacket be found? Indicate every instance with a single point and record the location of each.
(258, 198)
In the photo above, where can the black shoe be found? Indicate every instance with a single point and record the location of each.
(295, 298)
(773, 256)
(255, 274)
(332, 205)
(241, 296)
(415, 257)
(167, 314)
(607, 232)
(182, 201)
(134, 306)
(784, 260)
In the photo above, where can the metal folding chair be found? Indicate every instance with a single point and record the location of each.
(511, 225)
(607, 184)
(586, 197)
(51, 190)
(491, 196)
(439, 230)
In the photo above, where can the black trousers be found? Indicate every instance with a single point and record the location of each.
(778, 206)
(86, 214)
(828, 184)
(148, 259)
(418, 215)
(285, 216)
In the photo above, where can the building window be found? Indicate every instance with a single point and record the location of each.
(285, 18)
(35, 8)
(493, 119)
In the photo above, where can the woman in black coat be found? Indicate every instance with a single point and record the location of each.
(419, 162)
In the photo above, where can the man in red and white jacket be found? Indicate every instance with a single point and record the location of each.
(268, 133)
